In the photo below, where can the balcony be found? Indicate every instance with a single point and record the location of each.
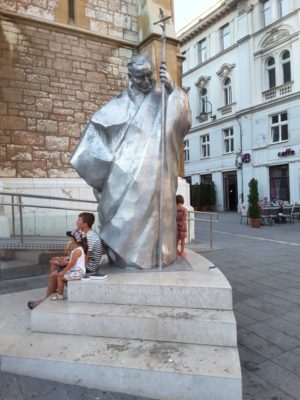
(226, 109)
(278, 91)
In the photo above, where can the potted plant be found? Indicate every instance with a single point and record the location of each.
(253, 208)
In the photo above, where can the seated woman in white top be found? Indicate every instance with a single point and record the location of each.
(75, 269)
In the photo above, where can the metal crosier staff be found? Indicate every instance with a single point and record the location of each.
(162, 23)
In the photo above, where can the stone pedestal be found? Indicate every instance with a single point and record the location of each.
(165, 335)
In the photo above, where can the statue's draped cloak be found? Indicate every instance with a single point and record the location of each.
(119, 155)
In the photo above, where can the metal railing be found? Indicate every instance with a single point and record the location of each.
(16, 202)
(194, 217)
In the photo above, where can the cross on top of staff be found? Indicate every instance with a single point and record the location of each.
(162, 22)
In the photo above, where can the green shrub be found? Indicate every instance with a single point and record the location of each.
(203, 195)
(253, 208)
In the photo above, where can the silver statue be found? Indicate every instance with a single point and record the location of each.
(119, 155)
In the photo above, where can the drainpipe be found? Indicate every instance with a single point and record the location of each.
(241, 154)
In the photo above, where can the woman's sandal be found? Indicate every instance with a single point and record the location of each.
(57, 297)
(32, 304)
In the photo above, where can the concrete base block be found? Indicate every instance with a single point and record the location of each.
(160, 335)
(180, 325)
(200, 288)
(158, 370)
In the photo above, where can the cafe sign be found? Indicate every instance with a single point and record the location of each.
(286, 153)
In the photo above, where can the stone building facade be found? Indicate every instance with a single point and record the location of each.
(53, 78)
(60, 61)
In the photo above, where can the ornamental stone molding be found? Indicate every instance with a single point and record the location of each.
(202, 82)
(274, 36)
(244, 7)
(225, 71)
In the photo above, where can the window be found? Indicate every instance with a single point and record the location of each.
(286, 66)
(186, 150)
(283, 8)
(71, 8)
(205, 146)
(228, 140)
(206, 178)
(279, 127)
(279, 182)
(225, 37)
(202, 51)
(227, 91)
(270, 67)
(266, 12)
(203, 101)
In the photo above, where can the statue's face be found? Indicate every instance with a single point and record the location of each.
(142, 78)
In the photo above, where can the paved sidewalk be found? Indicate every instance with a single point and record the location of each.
(263, 268)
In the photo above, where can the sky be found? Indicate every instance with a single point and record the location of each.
(186, 10)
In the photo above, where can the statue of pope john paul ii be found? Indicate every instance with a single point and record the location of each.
(119, 155)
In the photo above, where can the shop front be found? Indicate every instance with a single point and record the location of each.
(279, 182)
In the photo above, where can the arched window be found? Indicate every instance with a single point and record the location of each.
(227, 91)
(203, 100)
(270, 67)
(286, 66)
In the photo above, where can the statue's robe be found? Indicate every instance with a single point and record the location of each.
(119, 155)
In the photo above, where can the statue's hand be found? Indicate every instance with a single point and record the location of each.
(165, 78)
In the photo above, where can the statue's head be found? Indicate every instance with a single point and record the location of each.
(140, 72)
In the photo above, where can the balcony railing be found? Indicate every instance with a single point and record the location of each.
(226, 109)
(278, 91)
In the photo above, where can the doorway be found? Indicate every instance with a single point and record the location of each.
(230, 191)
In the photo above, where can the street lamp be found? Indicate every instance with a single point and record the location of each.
(204, 113)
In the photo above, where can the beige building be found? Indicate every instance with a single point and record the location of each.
(61, 60)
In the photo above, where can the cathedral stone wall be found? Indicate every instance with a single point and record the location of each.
(51, 82)
(115, 18)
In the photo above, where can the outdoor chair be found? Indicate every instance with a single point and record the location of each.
(296, 212)
(286, 214)
(274, 211)
(265, 216)
(244, 212)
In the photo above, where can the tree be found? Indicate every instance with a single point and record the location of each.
(253, 208)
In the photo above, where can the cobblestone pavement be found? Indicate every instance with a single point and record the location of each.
(263, 268)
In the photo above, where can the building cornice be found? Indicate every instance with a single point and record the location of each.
(210, 59)
(71, 29)
(204, 23)
(245, 111)
(155, 36)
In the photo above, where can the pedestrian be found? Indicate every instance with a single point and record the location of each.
(75, 269)
(84, 222)
(181, 220)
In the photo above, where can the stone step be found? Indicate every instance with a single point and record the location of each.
(157, 370)
(183, 325)
(208, 289)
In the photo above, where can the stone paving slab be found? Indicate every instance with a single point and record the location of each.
(246, 256)
(280, 377)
